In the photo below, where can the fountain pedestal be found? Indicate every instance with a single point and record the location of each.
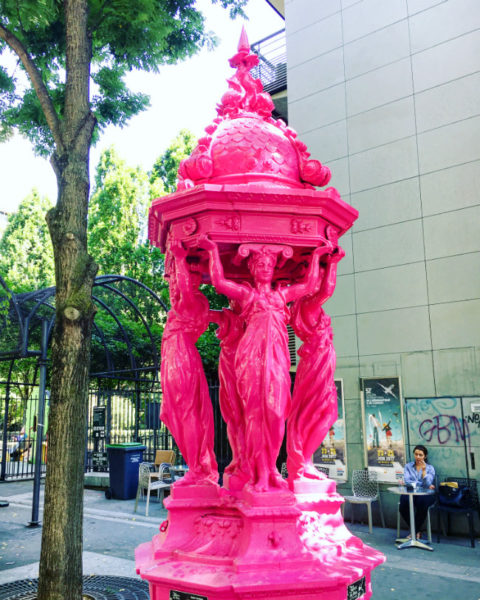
(233, 546)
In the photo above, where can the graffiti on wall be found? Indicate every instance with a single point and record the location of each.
(449, 427)
(444, 428)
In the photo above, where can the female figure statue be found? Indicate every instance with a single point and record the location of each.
(231, 329)
(262, 358)
(314, 402)
(186, 406)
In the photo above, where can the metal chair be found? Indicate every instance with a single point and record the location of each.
(365, 491)
(149, 479)
(468, 511)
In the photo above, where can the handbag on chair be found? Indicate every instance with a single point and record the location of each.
(450, 493)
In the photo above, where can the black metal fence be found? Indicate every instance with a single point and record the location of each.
(114, 416)
(124, 415)
(18, 433)
(119, 416)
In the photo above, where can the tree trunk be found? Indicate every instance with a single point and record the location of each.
(61, 553)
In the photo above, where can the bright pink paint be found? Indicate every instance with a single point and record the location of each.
(186, 401)
(314, 405)
(247, 219)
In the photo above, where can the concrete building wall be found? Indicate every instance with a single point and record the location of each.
(387, 94)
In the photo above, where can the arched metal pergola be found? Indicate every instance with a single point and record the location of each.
(119, 299)
(125, 349)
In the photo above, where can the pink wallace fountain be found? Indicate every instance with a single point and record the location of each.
(247, 219)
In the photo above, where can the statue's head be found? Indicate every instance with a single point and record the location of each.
(261, 265)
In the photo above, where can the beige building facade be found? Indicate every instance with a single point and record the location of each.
(387, 94)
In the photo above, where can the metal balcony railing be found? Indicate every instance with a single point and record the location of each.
(272, 66)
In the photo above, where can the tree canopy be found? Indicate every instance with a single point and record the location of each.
(124, 36)
(166, 166)
(117, 223)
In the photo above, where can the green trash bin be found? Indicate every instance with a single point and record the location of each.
(124, 461)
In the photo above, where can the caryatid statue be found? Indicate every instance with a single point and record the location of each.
(262, 358)
(314, 403)
(186, 407)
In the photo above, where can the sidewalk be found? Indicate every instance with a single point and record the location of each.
(112, 531)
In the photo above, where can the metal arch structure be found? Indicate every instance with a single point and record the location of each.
(21, 316)
(26, 326)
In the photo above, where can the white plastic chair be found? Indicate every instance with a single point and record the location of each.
(365, 491)
(149, 479)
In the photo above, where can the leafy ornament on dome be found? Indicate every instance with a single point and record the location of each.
(246, 99)
(245, 94)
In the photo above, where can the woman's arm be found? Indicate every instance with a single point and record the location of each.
(326, 286)
(429, 478)
(219, 281)
(409, 474)
(330, 278)
(182, 274)
(312, 276)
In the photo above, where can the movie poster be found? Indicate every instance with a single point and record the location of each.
(332, 454)
(383, 427)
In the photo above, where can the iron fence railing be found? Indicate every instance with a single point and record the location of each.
(133, 416)
(272, 66)
(18, 434)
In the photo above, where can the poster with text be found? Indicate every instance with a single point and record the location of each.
(332, 454)
(383, 427)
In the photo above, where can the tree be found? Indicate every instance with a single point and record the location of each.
(63, 46)
(117, 215)
(166, 166)
(117, 241)
(26, 255)
(26, 263)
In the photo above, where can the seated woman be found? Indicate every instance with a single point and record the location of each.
(422, 474)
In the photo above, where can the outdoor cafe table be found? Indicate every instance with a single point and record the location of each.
(401, 490)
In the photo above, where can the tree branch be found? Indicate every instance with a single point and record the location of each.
(37, 82)
(101, 16)
(20, 18)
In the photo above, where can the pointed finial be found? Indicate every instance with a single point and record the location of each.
(243, 43)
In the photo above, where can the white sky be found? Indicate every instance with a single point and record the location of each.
(181, 96)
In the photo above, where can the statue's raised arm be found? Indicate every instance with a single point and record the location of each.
(223, 285)
(312, 276)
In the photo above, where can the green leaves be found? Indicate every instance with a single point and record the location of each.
(125, 35)
(236, 8)
(166, 166)
(26, 255)
(117, 215)
(114, 103)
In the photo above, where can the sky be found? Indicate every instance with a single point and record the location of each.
(182, 96)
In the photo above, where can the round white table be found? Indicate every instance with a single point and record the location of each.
(402, 490)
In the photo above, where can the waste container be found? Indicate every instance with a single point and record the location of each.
(124, 460)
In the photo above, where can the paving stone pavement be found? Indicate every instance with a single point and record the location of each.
(112, 531)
